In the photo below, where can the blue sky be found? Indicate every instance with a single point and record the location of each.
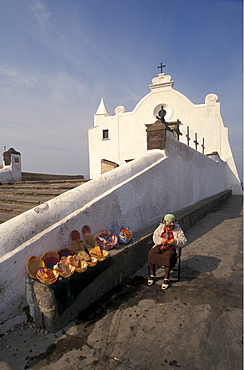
(58, 58)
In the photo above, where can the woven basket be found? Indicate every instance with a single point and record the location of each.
(83, 256)
(69, 272)
(76, 246)
(80, 266)
(33, 264)
(73, 260)
(92, 262)
(105, 255)
(75, 235)
(83, 266)
(48, 281)
(64, 268)
(100, 258)
(65, 252)
(50, 259)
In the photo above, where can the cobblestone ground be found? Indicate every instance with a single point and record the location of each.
(194, 325)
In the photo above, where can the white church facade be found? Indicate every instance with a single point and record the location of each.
(117, 139)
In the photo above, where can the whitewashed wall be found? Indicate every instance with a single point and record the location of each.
(134, 194)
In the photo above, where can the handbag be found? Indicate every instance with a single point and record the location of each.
(124, 235)
(107, 243)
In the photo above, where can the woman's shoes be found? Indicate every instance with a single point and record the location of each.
(165, 284)
(151, 280)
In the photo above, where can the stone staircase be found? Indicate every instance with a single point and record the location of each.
(18, 197)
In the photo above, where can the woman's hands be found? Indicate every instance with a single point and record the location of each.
(168, 241)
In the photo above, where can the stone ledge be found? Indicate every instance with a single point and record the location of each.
(190, 215)
(81, 290)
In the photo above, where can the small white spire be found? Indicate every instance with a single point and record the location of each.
(102, 110)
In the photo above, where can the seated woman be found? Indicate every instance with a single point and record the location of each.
(167, 237)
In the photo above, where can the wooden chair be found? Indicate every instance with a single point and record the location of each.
(178, 263)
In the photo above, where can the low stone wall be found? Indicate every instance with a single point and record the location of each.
(30, 176)
(189, 216)
(54, 306)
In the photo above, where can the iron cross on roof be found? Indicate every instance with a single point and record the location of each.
(162, 66)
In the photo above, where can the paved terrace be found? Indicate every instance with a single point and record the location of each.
(194, 325)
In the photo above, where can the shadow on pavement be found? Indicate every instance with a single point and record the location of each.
(194, 266)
